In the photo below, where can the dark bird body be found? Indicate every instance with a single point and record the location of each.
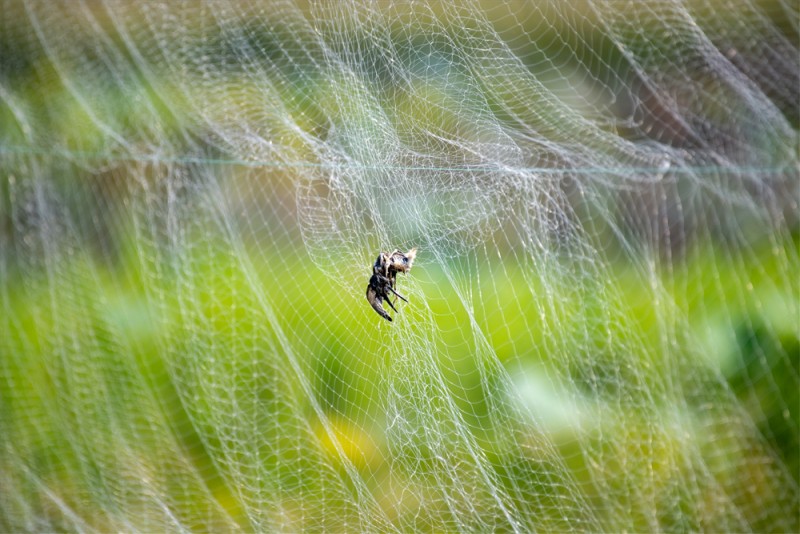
(384, 278)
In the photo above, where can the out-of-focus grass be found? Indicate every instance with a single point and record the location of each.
(147, 368)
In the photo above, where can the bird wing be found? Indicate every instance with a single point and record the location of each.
(376, 303)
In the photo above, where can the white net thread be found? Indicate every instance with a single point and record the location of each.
(603, 326)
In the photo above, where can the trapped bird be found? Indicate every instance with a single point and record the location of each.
(384, 278)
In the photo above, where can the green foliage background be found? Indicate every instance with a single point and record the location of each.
(123, 353)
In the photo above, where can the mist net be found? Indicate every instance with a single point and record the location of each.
(602, 330)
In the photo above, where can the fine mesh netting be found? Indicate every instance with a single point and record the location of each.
(603, 326)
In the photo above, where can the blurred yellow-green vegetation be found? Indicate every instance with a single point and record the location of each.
(181, 349)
